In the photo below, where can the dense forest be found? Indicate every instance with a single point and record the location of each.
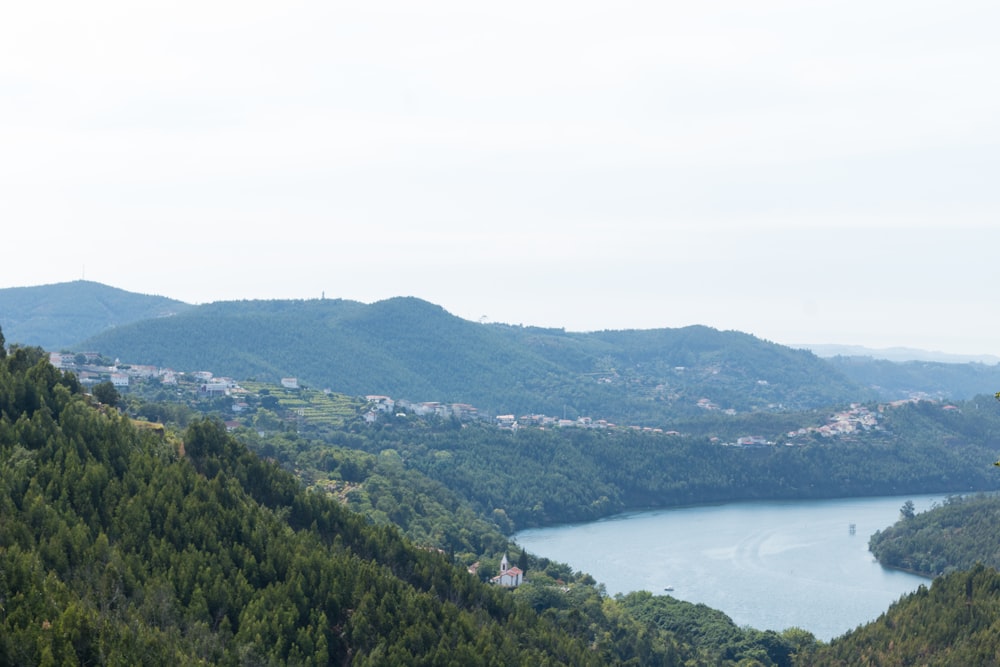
(951, 624)
(535, 476)
(956, 535)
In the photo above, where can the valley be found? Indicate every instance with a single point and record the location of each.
(451, 437)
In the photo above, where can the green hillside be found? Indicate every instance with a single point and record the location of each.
(61, 315)
(952, 624)
(126, 546)
(411, 349)
(125, 543)
(577, 474)
(954, 536)
(895, 380)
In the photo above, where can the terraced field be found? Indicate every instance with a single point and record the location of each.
(313, 407)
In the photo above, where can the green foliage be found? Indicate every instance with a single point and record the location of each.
(121, 545)
(907, 510)
(952, 623)
(385, 491)
(124, 546)
(535, 477)
(714, 635)
(956, 535)
(106, 393)
(408, 348)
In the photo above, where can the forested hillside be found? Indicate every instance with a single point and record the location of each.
(952, 624)
(958, 534)
(124, 544)
(116, 548)
(896, 380)
(536, 476)
(128, 543)
(64, 314)
(407, 348)
(410, 349)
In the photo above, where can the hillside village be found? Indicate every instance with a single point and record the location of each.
(241, 402)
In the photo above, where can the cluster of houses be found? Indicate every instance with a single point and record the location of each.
(90, 369)
(463, 411)
(707, 404)
(513, 423)
(856, 418)
(385, 404)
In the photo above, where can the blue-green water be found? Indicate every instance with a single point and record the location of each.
(768, 565)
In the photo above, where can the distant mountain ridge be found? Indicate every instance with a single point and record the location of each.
(64, 314)
(409, 348)
(896, 354)
(895, 380)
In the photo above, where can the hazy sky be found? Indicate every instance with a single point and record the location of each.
(808, 172)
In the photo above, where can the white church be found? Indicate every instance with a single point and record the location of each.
(509, 577)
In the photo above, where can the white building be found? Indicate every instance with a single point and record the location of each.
(509, 577)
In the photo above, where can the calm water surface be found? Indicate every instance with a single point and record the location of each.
(770, 565)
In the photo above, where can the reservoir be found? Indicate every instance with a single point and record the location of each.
(769, 565)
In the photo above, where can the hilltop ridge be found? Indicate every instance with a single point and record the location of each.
(408, 348)
(64, 314)
(412, 349)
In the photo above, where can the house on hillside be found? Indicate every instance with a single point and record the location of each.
(505, 421)
(381, 403)
(144, 371)
(752, 441)
(214, 388)
(509, 577)
(290, 383)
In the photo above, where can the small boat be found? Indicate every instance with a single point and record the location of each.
(669, 588)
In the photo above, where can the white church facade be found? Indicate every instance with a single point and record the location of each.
(509, 577)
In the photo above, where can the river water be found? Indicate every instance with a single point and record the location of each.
(769, 565)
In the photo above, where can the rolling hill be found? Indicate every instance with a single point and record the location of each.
(408, 348)
(935, 379)
(61, 315)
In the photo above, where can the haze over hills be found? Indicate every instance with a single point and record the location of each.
(408, 348)
(896, 354)
(37, 315)
(64, 314)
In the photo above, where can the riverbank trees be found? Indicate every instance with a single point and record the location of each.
(951, 623)
(956, 535)
(538, 477)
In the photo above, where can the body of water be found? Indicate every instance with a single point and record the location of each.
(770, 565)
